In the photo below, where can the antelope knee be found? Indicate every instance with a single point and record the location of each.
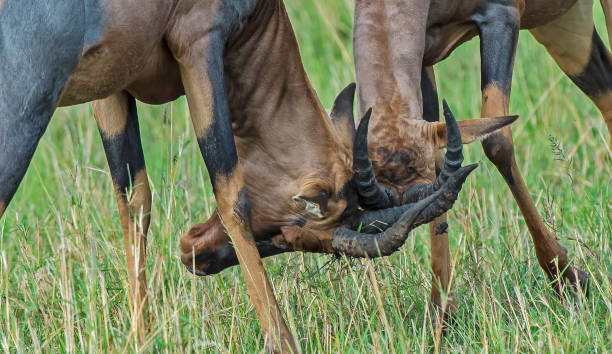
(500, 150)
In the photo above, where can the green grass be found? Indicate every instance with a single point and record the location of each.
(63, 277)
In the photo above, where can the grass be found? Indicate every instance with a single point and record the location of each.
(63, 277)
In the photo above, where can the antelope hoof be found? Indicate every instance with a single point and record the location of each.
(442, 320)
(578, 280)
(572, 278)
(195, 272)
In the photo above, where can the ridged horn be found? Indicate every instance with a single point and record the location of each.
(397, 222)
(342, 111)
(452, 159)
(371, 194)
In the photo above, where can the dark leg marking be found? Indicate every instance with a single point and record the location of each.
(242, 208)
(124, 150)
(498, 27)
(596, 78)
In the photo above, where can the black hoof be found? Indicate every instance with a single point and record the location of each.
(581, 281)
(575, 280)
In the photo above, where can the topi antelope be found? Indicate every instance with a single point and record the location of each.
(397, 42)
(216, 52)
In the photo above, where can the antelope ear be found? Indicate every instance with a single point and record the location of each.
(471, 129)
(342, 114)
(315, 205)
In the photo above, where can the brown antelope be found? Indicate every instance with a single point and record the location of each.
(281, 169)
(396, 44)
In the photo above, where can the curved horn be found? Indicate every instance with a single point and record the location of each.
(401, 220)
(342, 110)
(371, 194)
(452, 159)
(454, 147)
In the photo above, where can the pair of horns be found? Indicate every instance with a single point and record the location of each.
(371, 194)
(426, 201)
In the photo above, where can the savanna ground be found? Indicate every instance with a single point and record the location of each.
(63, 276)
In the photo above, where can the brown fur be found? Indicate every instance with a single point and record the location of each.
(563, 26)
(126, 58)
(441, 268)
(441, 295)
(202, 237)
(404, 148)
(568, 40)
(286, 143)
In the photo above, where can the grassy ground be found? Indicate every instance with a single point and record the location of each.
(63, 277)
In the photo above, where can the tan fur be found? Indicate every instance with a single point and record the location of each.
(267, 87)
(494, 102)
(311, 159)
(285, 141)
(2, 208)
(568, 38)
(128, 51)
(499, 151)
(111, 114)
(568, 41)
(135, 235)
(300, 239)
(402, 145)
(258, 285)
(266, 90)
(471, 129)
(141, 197)
(440, 247)
(396, 161)
(201, 113)
(135, 241)
(387, 67)
(604, 103)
